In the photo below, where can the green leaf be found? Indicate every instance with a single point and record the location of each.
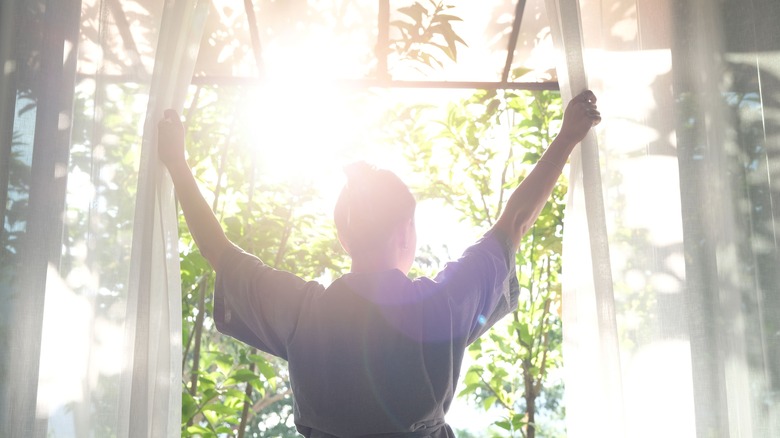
(219, 408)
(265, 368)
(472, 377)
(489, 402)
(199, 431)
(520, 71)
(242, 375)
(206, 382)
(188, 406)
(518, 421)
(469, 389)
(415, 12)
(208, 393)
(224, 430)
(444, 17)
(235, 394)
(525, 334)
(492, 106)
(223, 361)
(503, 424)
(444, 49)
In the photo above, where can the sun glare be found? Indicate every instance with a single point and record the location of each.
(306, 135)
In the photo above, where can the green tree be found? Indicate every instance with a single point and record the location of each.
(471, 157)
(424, 34)
(482, 148)
(228, 387)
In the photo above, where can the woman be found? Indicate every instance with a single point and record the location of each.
(374, 353)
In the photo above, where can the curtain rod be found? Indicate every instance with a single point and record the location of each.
(350, 83)
(368, 83)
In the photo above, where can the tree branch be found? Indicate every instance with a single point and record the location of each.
(503, 181)
(268, 401)
(247, 402)
(198, 336)
(199, 285)
(498, 397)
(517, 331)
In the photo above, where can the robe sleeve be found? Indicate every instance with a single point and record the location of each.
(257, 304)
(481, 287)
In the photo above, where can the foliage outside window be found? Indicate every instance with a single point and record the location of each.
(470, 154)
(466, 156)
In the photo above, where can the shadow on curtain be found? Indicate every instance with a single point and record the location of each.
(89, 281)
(688, 164)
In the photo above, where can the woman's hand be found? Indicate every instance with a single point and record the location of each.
(580, 115)
(170, 140)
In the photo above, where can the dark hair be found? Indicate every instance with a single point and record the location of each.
(371, 203)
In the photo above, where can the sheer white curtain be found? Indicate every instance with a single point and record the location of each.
(90, 287)
(671, 288)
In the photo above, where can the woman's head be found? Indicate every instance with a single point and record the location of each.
(374, 217)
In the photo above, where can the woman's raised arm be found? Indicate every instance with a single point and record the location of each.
(528, 199)
(203, 225)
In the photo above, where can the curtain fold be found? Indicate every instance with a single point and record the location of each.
(155, 280)
(89, 265)
(38, 249)
(588, 301)
(687, 158)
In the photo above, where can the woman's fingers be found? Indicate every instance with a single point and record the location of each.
(171, 115)
(588, 96)
(588, 100)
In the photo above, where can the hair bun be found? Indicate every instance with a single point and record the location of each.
(358, 172)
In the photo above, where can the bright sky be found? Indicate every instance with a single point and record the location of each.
(311, 134)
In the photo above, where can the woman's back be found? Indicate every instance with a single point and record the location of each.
(374, 353)
(359, 365)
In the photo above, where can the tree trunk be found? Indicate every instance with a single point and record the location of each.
(247, 402)
(530, 428)
(198, 334)
(530, 400)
